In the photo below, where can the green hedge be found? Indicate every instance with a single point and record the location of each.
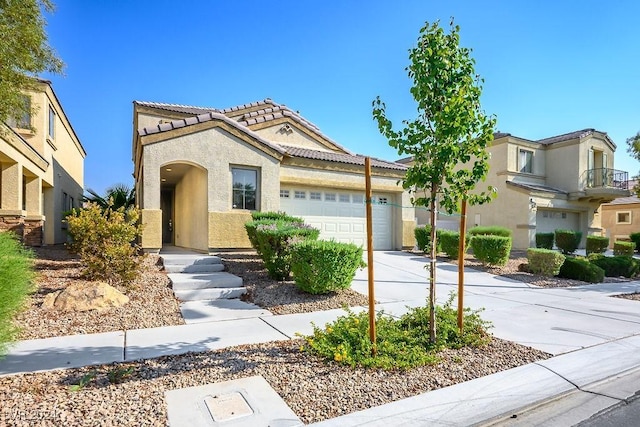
(491, 249)
(323, 266)
(544, 240)
(493, 230)
(635, 238)
(274, 216)
(544, 261)
(581, 269)
(567, 241)
(616, 266)
(597, 244)
(273, 242)
(423, 238)
(450, 243)
(623, 248)
(16, 282)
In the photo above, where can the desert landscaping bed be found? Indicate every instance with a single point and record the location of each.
(314, 390)
(151, 301)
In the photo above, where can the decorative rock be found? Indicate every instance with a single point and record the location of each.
(84, 297)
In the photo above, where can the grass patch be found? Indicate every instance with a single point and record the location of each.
(16, 283)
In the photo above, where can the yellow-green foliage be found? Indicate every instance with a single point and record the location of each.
(16, 282)
(544, 261)
(104, 239)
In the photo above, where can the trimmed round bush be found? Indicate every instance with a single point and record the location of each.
(323, 266)
(492, 230)
(597, 244)
(581, 269)
(423, 238)
(491, 249)
(449, 243)
(273, 242)
(544, 240)
(545, 262)
(635, 238)
(567, 241)
(623, 248)
(616, 266)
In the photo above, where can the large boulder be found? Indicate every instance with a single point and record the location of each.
(84, 297)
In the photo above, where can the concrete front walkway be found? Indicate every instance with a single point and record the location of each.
(594, 337)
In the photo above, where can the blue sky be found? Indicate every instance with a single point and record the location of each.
(550, 67)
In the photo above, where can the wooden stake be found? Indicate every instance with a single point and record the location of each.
(463, 223)
(372, 301)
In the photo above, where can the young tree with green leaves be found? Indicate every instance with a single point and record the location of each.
(633, 148)
(24, 53)
(448, 139)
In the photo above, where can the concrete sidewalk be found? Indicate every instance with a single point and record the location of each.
(594, 337)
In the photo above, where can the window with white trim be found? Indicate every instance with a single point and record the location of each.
(623, 217)
(299, 194)
(525, 161)
(383, 200)
(314, 195)
(245, 188)
(344, 198)
(358, 198)
(52, 123)
(284, 194)
(329, 197)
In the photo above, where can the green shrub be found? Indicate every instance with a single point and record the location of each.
(274, 216)
(568, 241)
(423, 238)
(492, 230)
(16, 282)
(544, 261)
(273, 242)
(623, 248)
(616, 266)
(581, 269)
(401, 343)
(491, 249)
(635, 238)
(104, 239)
(323, 266)
(449, 243)
(597, 244)
(544, 240)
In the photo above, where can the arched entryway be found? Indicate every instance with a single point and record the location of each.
(184, 205)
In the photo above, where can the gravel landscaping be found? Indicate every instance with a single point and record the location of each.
(314, 389)
(151, 301)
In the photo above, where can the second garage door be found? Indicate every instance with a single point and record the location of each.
(549, 220)
(341, 215)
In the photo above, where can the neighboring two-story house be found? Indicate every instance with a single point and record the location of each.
(553, 183)
(200, 172)
(41, 170)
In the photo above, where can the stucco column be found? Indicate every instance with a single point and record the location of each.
(11, 187)
(34, 191)
(151, 182)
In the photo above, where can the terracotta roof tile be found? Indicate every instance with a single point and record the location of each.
(331, 156)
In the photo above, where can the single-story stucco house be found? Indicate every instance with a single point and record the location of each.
(199, 172)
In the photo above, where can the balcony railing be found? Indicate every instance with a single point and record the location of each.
(605, 177)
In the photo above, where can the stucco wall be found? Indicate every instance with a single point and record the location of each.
(609, 218)
(564, 166)
(226, 230)
(191, 216)
(293, 136)
(151, 239)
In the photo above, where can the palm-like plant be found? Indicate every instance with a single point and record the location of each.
(117, 196)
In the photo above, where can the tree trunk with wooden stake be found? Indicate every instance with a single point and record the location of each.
(432, 268)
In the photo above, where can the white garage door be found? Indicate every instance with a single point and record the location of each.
(341, 215)
(549, 220)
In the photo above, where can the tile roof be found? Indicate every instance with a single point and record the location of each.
(623, 201)
(177, 108)
(207, 117)
(352, 159)
(537, 187)
(571, 135)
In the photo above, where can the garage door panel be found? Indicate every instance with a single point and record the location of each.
(343, 218)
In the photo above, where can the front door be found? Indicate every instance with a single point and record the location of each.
(166, 204)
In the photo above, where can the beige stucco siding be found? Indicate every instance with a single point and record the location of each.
(191, 218)
(216, 151)
(564, 167)
(293, 136)
(610, 226)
